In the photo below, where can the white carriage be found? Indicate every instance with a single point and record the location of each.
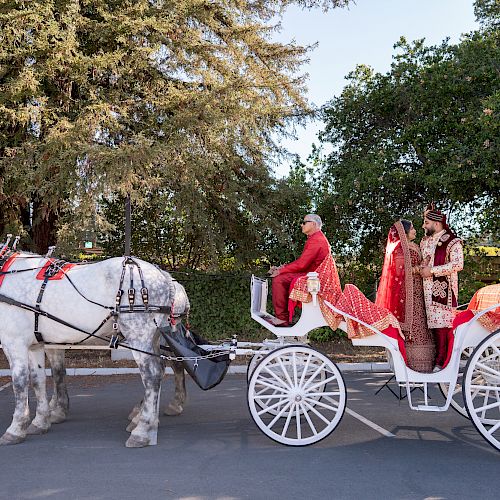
(297, 395)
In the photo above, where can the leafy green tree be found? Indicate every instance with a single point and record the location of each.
(101, 97)
(426, 130)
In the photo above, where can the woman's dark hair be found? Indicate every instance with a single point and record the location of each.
(406, 225)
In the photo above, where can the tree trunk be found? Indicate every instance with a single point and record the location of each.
(43, 229)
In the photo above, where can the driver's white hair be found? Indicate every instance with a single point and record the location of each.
(315, 218)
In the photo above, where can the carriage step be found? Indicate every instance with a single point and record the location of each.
(431, 408)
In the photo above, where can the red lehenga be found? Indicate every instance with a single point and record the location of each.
(402, 293)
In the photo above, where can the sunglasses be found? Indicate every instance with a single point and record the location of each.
(305, 222)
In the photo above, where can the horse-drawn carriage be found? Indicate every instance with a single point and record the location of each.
(296, 395)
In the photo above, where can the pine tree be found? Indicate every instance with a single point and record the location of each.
(102, 98)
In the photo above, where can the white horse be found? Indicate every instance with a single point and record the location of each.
(83, 299)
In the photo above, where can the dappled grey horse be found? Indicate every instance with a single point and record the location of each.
(81, 304)
(59, 403)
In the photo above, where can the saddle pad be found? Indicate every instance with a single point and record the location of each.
(6, 266)
(57, 276)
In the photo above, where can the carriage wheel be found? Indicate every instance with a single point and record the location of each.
(268, 398)
(481, 388)
(457, 400)
(296, 395)
(256, 359)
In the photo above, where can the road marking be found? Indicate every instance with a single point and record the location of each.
(5, 386)
(369, 423)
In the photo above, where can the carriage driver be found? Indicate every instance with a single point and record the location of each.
(315, 251)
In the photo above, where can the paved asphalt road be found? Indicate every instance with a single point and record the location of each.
(215, 451)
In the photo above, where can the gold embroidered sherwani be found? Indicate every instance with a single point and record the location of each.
(440, 315)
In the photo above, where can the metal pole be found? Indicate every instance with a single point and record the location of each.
(127, 225)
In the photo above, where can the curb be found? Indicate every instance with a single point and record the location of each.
(233, 370)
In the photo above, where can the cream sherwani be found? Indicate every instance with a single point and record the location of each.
(440, 316)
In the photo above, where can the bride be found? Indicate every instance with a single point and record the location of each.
(401, 292)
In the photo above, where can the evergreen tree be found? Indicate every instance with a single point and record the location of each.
(129, 96)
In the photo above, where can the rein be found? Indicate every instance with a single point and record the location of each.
(12, 302)
(114, 311)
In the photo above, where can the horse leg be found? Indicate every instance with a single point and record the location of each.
(145, 431)
(176, 407)
(41, 422)
(59, 403)
(135, 411)
(18, 361)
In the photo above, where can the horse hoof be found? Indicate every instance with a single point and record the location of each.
(131, 426)
(173, 411)
(9, 438)
(133, 414)
(136, 442)
(57, 418)
(35, 430)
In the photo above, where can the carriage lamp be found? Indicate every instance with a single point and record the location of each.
(313, 285)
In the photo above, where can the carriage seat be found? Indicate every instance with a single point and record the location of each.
(485, 298)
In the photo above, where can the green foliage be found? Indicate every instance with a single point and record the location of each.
(426, 130)
(487, 12)
(220, 305)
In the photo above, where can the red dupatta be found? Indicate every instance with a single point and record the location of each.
(395, 291)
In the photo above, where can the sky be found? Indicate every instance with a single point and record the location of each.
(364, 33)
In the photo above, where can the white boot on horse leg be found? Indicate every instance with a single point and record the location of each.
(41, 423)
(59, 403)
(17, 356)
(176, 407)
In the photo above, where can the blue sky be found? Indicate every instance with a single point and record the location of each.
(363, 34)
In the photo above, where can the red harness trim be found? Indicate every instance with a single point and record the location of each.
(6, 266)
(59, 275)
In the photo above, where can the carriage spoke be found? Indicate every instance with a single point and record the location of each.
(297, 421)
(320, 403)
(485, 400)
(278, 416)
(323, 382)
(330, 400)
(494, 428)
(271, 386)
(275, 405)
(287, 423)
(278, 379)
(304, 371)
(487, 407)
(317, 413)
(270, 396)
(308, 418)
(285, 371)
(485, 387)
(488, 369)
(294, 365)
(313, 376)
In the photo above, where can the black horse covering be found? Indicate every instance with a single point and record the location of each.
(207, 373)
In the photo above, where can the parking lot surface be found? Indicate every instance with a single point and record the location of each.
(381, 449)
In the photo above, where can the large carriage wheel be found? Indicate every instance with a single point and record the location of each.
(254, 361)
(296, 395)
(268, 399)
(481, 388)
(457, 400)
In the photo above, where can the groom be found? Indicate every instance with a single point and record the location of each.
(443, 258)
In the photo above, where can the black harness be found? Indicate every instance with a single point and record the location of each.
(55, 267)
